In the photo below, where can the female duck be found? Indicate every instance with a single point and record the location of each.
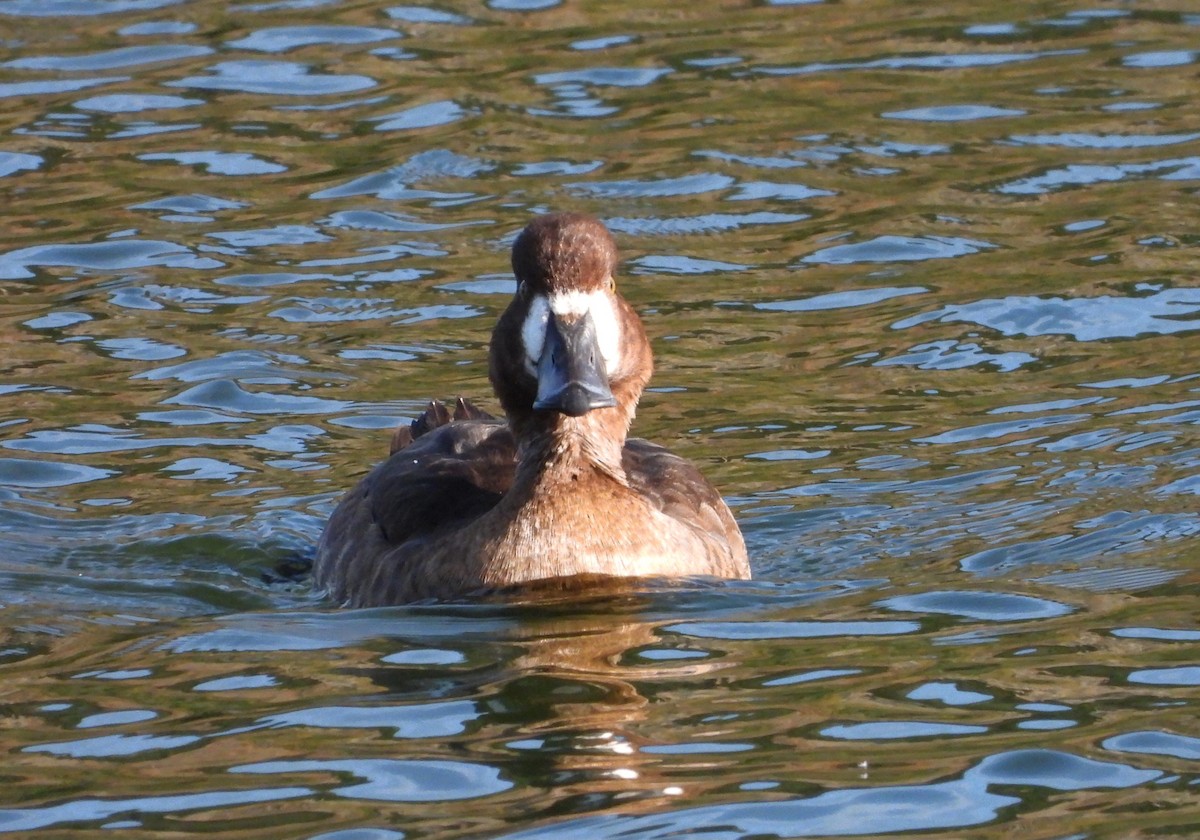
(472, 504)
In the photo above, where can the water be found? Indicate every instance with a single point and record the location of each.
(920, 284)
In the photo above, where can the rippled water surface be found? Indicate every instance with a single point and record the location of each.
(921, 283)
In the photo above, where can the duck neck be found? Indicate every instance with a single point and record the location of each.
(569, 450)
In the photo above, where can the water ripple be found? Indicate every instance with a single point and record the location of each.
(159, 27)
(1160, 58)
(393, 184)
(15, 89)
(955, 355)
(195, 207)
(130, 103)
(674, 264)
(421, 116)
(892, 730)
(118, 255)
(770, 190)
(280, 39)
(1120, 534)
(954, 113)
(423, 720)
(19, 472)
(757, 161)
(220, 163)
(1081, 140)
(114, 746)
(78, 8)
(1085, 174)
(1084, 319)
(990, 431)
(841, 300)
(916, 62)
(267, 237)
(870, 811)
(110, 60)
(276, 78)
(570, 86)
(685, 185)
(226, 395)
(792, 629)
(606, 76)
(13, 162)
(425, 14)
(94, 810)
(1155, 743)
(396, 780)
(332, 310)
(898, 249)
(708, 223)
(981, 606)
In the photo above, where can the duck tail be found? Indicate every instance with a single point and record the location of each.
(436, 414)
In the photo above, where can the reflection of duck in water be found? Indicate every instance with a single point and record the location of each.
(573, 696)
(470, 503)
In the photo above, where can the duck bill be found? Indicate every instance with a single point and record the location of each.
(571, 374)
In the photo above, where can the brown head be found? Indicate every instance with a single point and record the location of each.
(568, 347)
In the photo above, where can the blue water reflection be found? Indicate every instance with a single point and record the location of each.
(21, 472)
(1088, 174)
(898, 249)
(276, 78)
(954, 113)
(393, 184)
(428, 720)
(900, 730)
(1156, 743)
(395, 780)
(14, 162)
(73, 8)
(95, 810)
(1085, 319)
(982, 606)
(281, 39)
(923, 62)
(421, 116)
(132, 103)
(109, 60)
(425, 14)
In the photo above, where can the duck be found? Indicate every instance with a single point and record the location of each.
(554, 493)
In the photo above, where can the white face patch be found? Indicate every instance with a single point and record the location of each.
(597, 303)
(574, 302)
(533, 332)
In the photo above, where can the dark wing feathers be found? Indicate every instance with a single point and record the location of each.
(435, 416)
(454, 472)
(406, 507)
(446, 477)
(674, 486)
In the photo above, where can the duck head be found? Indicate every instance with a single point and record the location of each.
(568, 347)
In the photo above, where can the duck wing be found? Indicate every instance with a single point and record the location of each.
(443, 479)
(436, 415)
(674, 486)
(449, 475)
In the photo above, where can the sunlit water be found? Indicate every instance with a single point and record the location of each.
(921, 283)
